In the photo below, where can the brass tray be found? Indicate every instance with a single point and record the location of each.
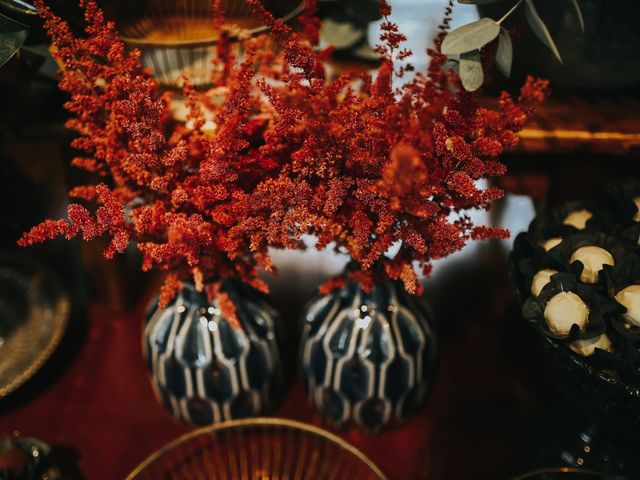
(564, 473)
(177, 24)
(34, 312)
(258, 449)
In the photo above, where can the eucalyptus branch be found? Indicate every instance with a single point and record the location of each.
(513, 9)
(467, 41)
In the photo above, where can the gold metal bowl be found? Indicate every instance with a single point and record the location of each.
(258, 449)
(34, 311)
(561, 473)
(179, 37)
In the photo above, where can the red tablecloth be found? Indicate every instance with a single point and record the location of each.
(100, 413)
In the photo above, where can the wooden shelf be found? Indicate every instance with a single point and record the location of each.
(597, 124)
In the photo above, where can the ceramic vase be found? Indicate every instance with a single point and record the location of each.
(205, 369)
(368, 357)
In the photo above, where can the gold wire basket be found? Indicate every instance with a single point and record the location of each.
(34, 311)
(561, 473)
(180, 36)
(258, 449)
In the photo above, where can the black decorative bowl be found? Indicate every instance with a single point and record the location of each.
(592, 391)
(596, 421)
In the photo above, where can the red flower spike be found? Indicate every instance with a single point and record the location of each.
(361, 164)
(228, 310)
(173, 190)
(373, 165)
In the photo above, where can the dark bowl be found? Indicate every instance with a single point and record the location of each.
(564, 473)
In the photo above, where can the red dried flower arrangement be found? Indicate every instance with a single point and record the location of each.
(373, 165)
(173, 190)
(355, 161)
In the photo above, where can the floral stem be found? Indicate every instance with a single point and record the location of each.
(509, 12)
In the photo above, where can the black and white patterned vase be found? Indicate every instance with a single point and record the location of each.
(202, 369)
(368, 358)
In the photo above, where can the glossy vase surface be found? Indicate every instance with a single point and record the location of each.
(368, 357)
(205, 369)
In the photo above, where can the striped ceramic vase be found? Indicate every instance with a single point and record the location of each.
(368, 358)
(202, 369)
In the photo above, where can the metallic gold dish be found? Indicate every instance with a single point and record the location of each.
(34, 312)
(257, 449)
(177, 37)
(563, 473)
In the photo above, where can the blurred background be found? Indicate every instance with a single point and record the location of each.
(91, 400)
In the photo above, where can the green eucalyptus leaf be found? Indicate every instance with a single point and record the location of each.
(578, 10)
(12, 36)
(504, 53)
(540, 29)
(470, 37)
(470, 71)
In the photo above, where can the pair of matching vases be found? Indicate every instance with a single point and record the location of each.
(366, 358)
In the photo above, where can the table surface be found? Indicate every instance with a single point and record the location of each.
(94, 404)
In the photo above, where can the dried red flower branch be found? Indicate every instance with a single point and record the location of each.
(172, 188)
(357, 162)
(373, 166)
